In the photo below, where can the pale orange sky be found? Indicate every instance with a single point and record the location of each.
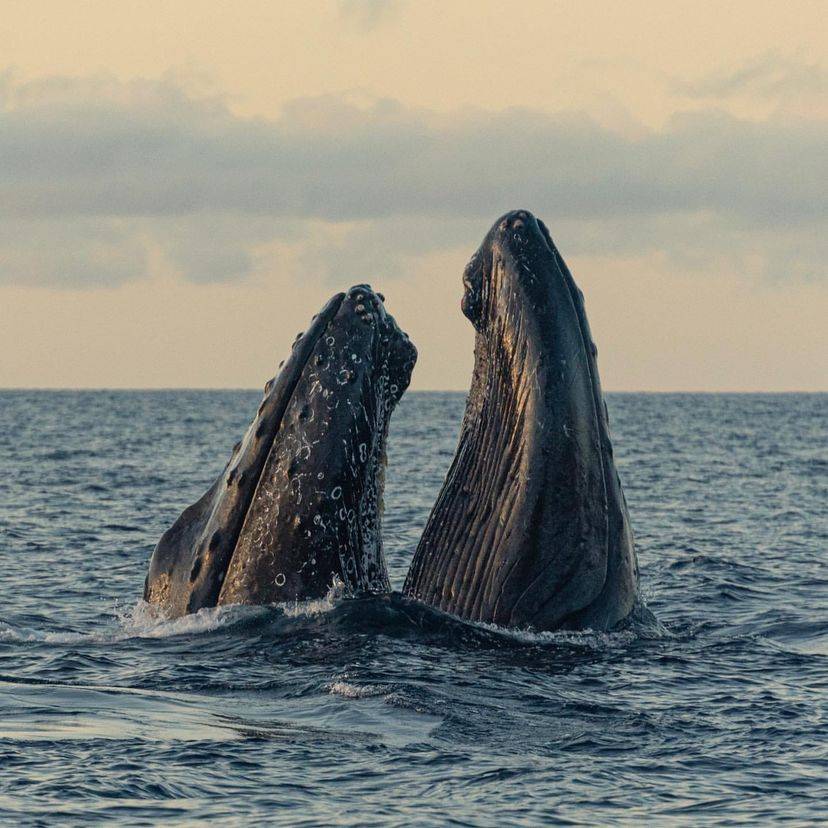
(185, 183)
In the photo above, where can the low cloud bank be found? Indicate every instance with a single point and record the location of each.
(97, 173)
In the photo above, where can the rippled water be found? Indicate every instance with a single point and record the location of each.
(378, 711)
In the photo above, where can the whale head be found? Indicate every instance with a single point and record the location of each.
(298, 506)
(530, 529)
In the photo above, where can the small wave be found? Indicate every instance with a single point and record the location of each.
(140, 621)
(641, 624)
(8, 633)
(148, 621)
(588, 639)
(144, 620)
(356, 691)
(22, 634)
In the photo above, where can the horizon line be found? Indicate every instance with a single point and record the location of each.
(205, 388)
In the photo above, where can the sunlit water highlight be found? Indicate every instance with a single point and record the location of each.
(378, 710)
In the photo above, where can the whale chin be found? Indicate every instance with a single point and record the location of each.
(298, 506)
(530, 528)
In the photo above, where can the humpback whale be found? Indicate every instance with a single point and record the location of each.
(298, 506)
(530, 528)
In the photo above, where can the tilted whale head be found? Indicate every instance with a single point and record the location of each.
(530, 528)
(299, 504)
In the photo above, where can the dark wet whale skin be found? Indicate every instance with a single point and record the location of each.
(531, 527)
(298, 506)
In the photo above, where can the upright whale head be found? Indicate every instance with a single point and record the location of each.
(299, 504)
(530, 528)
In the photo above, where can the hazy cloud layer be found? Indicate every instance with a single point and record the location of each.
(767, 76)
(366, 15)
(96, 172)
(71, 251)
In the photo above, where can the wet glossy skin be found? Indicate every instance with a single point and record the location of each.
(298, 505)
(530, 528)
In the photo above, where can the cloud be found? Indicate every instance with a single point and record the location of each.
(766, 76)
(73, 251)
(366, 15)
(108, 170)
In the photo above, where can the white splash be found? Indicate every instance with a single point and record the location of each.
(315, 606)
(588, 639)
(11, 633)
(146, 621)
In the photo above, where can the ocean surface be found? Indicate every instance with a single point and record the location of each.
(377, 711)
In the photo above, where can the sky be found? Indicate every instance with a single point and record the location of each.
(184, 183)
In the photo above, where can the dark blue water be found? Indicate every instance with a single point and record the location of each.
(376, 712)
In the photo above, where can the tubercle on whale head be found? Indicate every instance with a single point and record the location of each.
(360, 326)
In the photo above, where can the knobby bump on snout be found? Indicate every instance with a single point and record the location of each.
(299, 505)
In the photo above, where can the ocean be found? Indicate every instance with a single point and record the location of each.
(377, 711)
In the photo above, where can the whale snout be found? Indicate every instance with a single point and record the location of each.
(516, 228)
(515, 220)
(517, 243)
(363, 312)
